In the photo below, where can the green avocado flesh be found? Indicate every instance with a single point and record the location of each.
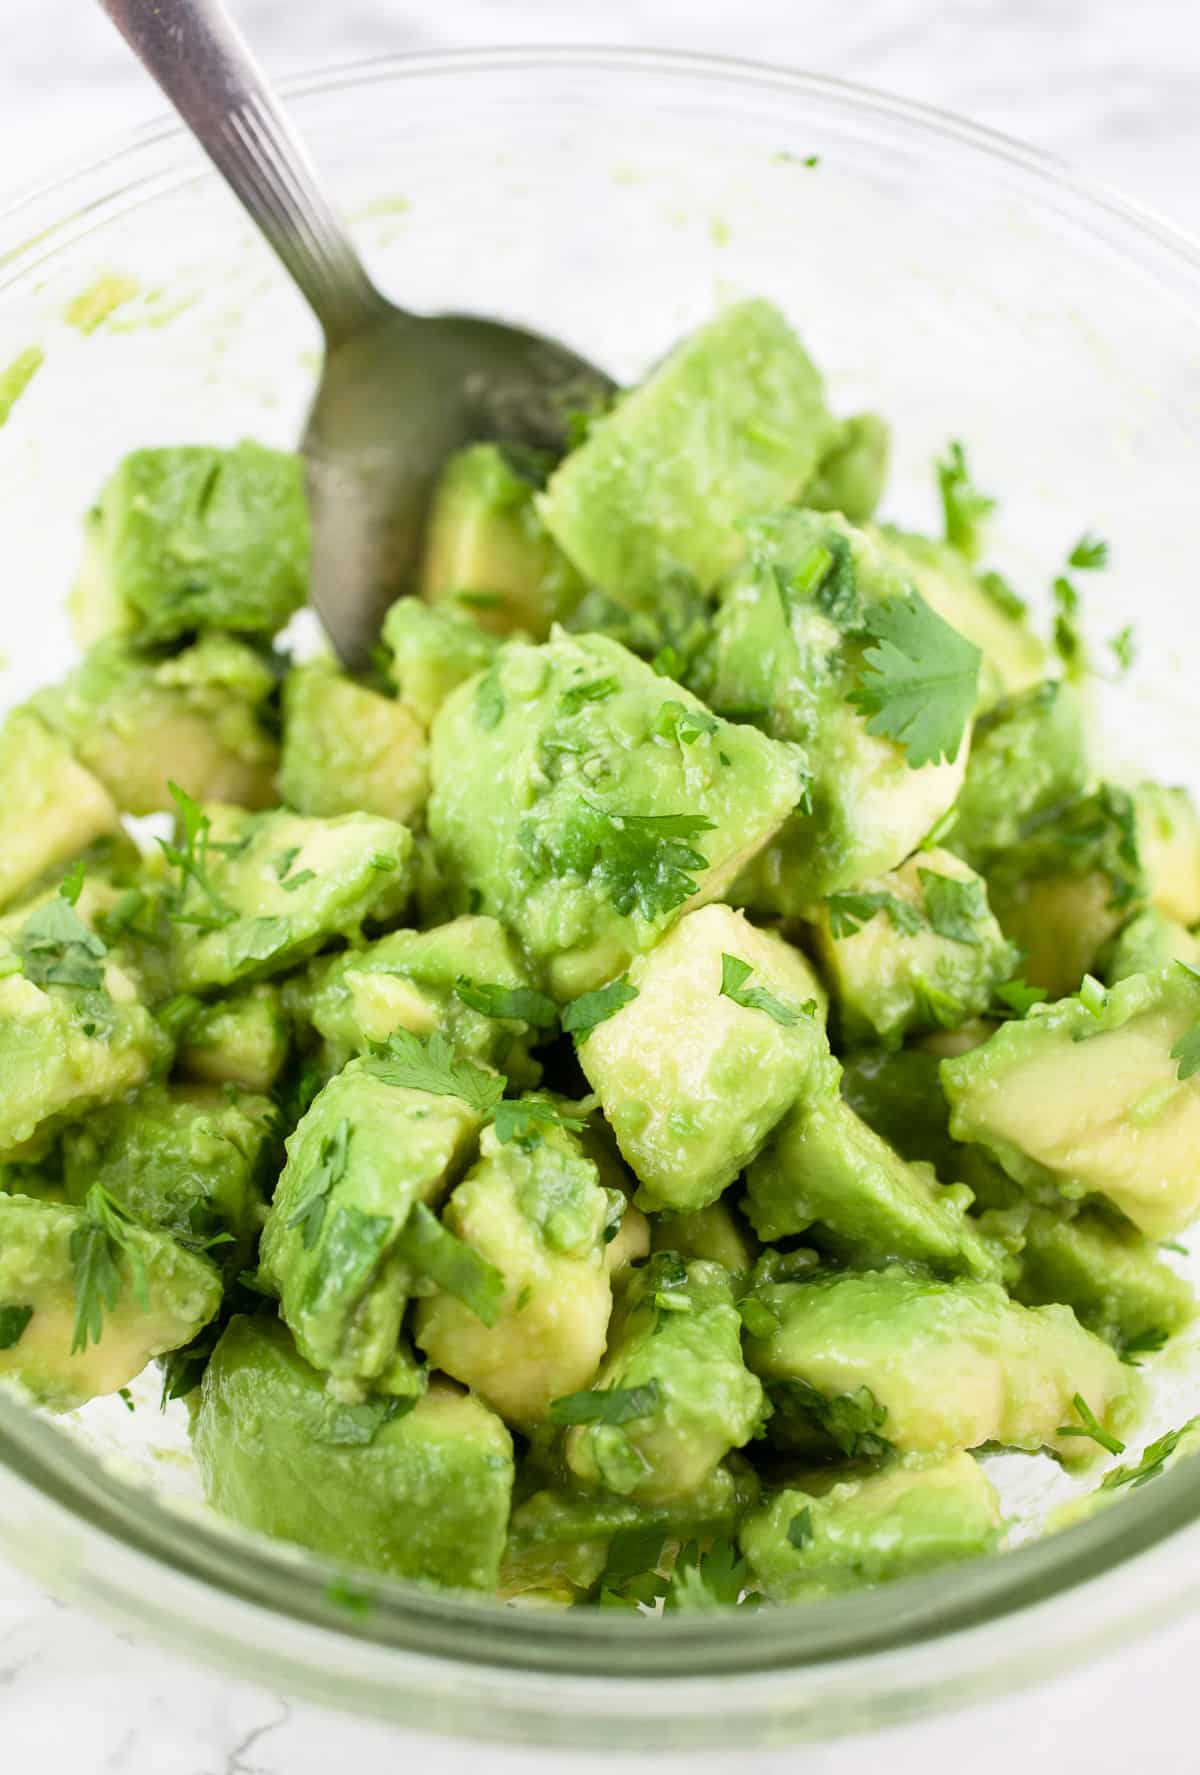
(632, 1100)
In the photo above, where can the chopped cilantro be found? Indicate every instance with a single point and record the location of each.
(1146, 1343)
(644, 860)
(734, 975)
(489, 701)
(577, 695)
(58, 949)
(126, 1398)
(853, 1421)
(13, 1320)
(630, 1575)
(191, 858)
(1123, 646)
(517, 1004)
(1089, 554)
(800, 1528)
(309, 1214)
(1091, 1427)
(955, 909)
(357, 1426)
(715, 1578)
(97, 1246)
(675, 721)
(611, 1405)
(1018, 997)
(341, 1594)
(583, 1013)
(452, 1265)
(1153, 1461)
(1067, 636)
(920, 681)
(431, 1064)
(849, 912)
(1187, 1048)
(1002, 595)
(282, 862)
(964, 507)
(71, 885)
(523, 1121)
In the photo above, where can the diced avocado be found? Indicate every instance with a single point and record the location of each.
(422, 1494)
(862, 1531)
(64, 1051)
(240, 1040)
(417, 980)
(50, 807)
(194, 1161)
(733, 421)
(1064, 889)
(587, 802)
(361, 1157)
(433, 650)
(347, 749)
(852, 473)
(1149, 941)
(715, 1233)
(1015, 658)
(1114, 1280)
(1028, 755)
(1084, 1097)
(189, 538)
(693, 1079)
(1168, 830)
(488, 550)
(780, 661)
(194, 718)
(539, 1216)
(559, 1541)
(829, 1172)
(912, 951)
(950, 1364)
(162, 1297)
(682, 1363)
(285, 885)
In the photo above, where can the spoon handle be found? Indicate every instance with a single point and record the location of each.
(195, 52)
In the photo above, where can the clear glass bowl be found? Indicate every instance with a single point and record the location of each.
(955, 280)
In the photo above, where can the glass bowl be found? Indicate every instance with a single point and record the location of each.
(962, 284)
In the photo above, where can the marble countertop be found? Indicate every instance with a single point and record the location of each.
(1110, 87)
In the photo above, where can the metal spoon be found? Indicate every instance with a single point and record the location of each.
(398, 391)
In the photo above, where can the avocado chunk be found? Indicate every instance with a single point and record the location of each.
(677, 1366)
(1168, 830)
(714, 1233)
(693, 1078)
(912, 951)
(864, 1531)
(948, 1364)
(433, 650)
(1084, 1097)
(540, 1217)
(487, 548)
(280, 886)
(188, 538)
(779, 659)
(194, 718)
(587, 802)
(1114, 1280)
(1014, 657)
(346, 749)
(194, 1161)
(50, 807)
(431, 980)
(241, 1040)
(161, 1297)
(733, 421)
(829, 1176)
(1028, 756)
(852, 473)
(422, 1494)
(1148, 942)
(365, 1153)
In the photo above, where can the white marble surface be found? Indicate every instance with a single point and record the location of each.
(1109, 85)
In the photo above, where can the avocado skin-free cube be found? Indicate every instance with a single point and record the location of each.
(539, 1217)
(347, 749)
(189, 537)
(341, 872)
(549, 774)
(733, 421)
(194, 718)
(706, 1401)
(426, 1498)
(1028, 755)
(953, 1364)
(488, 550)
(1075, 1100)
(1168, 829)
(1114, 1280)
(343, 1288)
(692, 1082)
(889, 983)
(786, 666)
(182, 1293)
(870, 1530)
(852, 474)
(1148, 942)
(434, 648)
(241, 1040)
(50, 807)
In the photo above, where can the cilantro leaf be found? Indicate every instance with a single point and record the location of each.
(1153, 1461)
(1002, 595)
(71, 885)
(848, 912)
(191, 858)
(630, 1575)
(704, 1581)
(98, 1243)
(583, 1013)
(610, 1405)
(1146, 1343)
(644, 861)
(800, 1528)
(431, 1064)
(920, 681)
(955, 909)
(1019, 998)
(964, 507)
(309, 1214)
(734, 975)
(853, 1421)
(523, 1121)
(13, 1320)
(1091, 1427)
(57, 949)
(574, 698)
(517, 1004)
(282, 862)
(455, 1267)
(1187, 1052)
(357, 1426)
(826, 575)
(1123, 646)
(1089, 554)
(489, 701)
(675, 721)
(1067, 635)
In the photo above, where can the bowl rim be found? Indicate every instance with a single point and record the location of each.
(1059, 1580)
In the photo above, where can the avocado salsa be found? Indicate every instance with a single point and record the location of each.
(616, 1103)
